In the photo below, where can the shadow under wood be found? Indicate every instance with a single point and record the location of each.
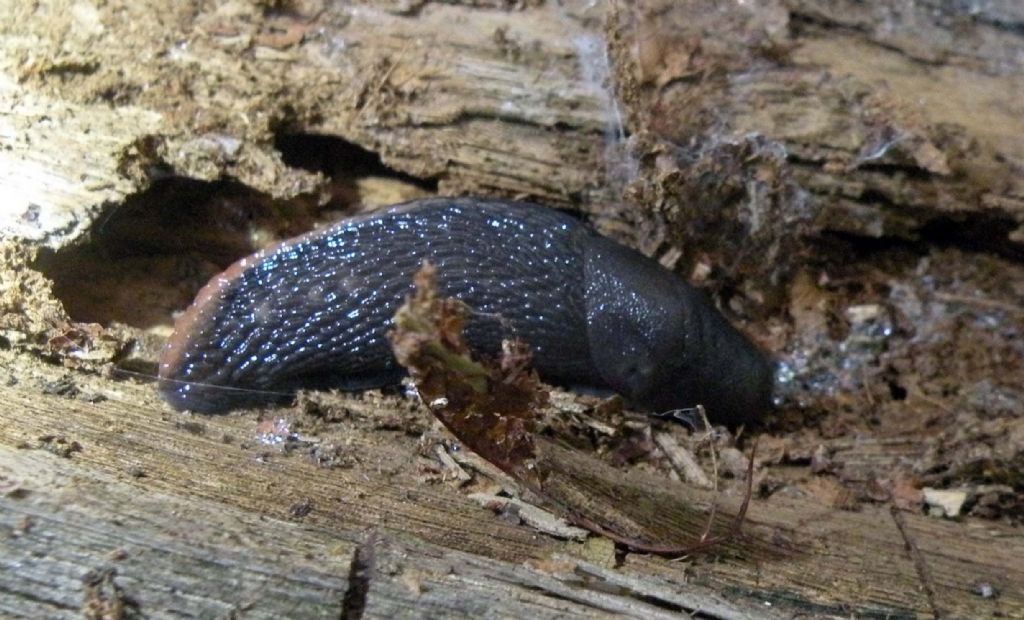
(653, 509)
(148, 256)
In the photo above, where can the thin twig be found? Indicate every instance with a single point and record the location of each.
(742, 514)
(714, 471)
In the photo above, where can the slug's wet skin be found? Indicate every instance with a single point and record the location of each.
(315, 312)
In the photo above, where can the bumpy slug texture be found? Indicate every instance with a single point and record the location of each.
(315, 312)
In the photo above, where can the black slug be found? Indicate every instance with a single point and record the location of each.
(315, 312)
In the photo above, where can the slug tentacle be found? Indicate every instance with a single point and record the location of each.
(315, 311)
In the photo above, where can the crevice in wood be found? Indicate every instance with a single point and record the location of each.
(979, 231)
(975, 235)
(597, 584)
(920, 565)
(911, 172)
(339, 159)
(468, 116)
(151, 254)
(806, 21)
(360, 571)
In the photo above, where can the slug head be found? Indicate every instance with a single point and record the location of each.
(663, 345)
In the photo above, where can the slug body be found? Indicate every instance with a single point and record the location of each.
(315, 312)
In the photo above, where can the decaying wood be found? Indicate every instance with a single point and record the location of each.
(755, 129)
(892, 117)
(172, 554)
(198, 494)
(780, 121)
(493, 104)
